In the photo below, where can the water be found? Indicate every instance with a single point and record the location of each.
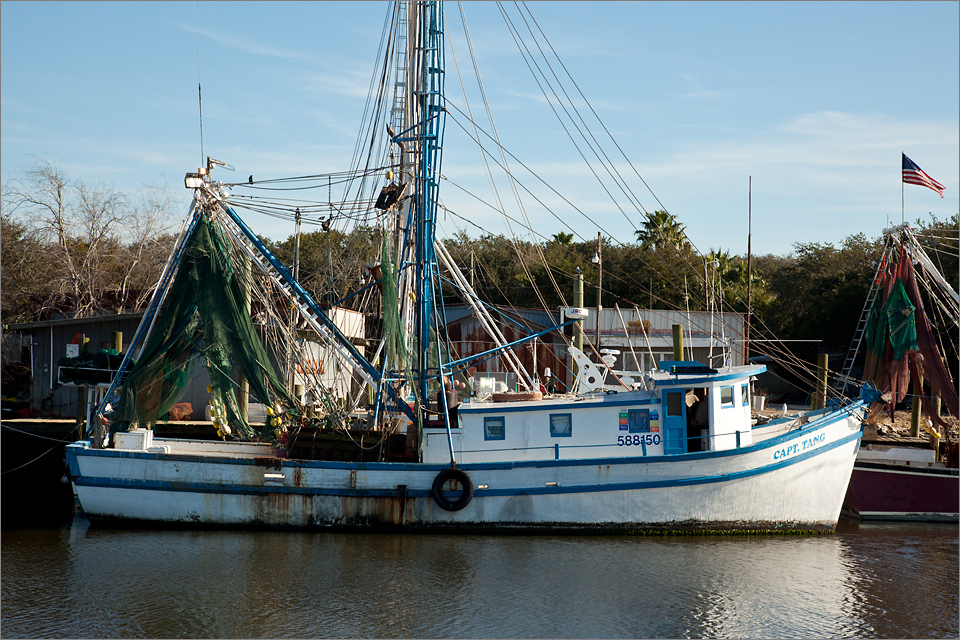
(868, 580)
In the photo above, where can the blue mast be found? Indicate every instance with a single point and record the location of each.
(430, 136)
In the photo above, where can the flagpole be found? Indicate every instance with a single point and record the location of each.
(901, 187)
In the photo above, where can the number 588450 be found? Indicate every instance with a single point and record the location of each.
(637, 439)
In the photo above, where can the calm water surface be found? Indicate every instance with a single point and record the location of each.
(878, 580)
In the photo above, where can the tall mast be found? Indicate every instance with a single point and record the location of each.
(429, 133)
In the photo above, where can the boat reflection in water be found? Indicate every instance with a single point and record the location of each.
(870, 580)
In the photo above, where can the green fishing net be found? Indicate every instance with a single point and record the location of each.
(204, 318)
(895, 319)
(396, 353)
(901, 320)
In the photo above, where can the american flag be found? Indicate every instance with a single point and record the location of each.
(912, 174)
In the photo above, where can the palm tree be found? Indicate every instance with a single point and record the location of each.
(661, 230)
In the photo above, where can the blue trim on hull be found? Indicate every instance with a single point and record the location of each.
(391, 493)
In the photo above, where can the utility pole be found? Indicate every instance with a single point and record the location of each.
(578, 302)
(598, 260)
(706, 289)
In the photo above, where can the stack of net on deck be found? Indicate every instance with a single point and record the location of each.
(204, 317)
(901, 345)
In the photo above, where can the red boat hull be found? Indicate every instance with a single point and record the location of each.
(879, 491)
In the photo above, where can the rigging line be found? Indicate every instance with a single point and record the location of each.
(284, 214)
(637, 284)
(937, 334)
(939, 304)
(36, 435)
(566, 339)
(35, 459)
(534, 174)
(375, 94)
(596, 147)
(341, 177)
(383, 102)
(923, 235)
(608, 169)
(324, 205)
(612, 139)
(358, 212)
(945, 251)
(493, 281)
(684, 259)
(637, 203)
(248, 185)
(632, 282)
(559, 119)
(941, 301)
(496, 135)
(466, 103)
(564, 223)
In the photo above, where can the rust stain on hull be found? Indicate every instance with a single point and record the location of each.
(374, 512)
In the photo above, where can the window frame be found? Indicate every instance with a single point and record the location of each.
(554, 433)
(646, 421)
(732, 402)
(503, 427)
(668, 401)
(745, 395)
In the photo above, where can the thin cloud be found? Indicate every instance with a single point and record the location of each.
(245, 45)
(828, 141)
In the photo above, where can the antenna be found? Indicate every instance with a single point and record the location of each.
(199, 92)
(746, 329)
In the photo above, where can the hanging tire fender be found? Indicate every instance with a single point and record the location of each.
(458, 475)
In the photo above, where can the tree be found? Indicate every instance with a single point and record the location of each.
(661, 230)
(332, 263)
(821, 291)
(95, 245)
(25, 271)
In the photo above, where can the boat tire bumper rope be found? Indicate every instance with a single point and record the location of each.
(466, 493)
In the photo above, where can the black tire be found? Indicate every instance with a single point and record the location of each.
(445, 476)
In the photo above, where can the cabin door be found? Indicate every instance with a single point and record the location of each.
(674, 422)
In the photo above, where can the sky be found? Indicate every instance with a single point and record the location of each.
(812, 103)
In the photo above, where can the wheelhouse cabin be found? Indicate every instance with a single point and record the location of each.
(685, 407)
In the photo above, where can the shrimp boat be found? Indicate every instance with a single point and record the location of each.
(667, 449)
(913, 479)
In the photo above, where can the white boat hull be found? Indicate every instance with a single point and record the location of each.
(795, 481)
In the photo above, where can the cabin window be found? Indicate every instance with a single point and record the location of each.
(639, 421)
(493, 429)
(560, 425)
(745, 395)
(674, 404)
(726, 396)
